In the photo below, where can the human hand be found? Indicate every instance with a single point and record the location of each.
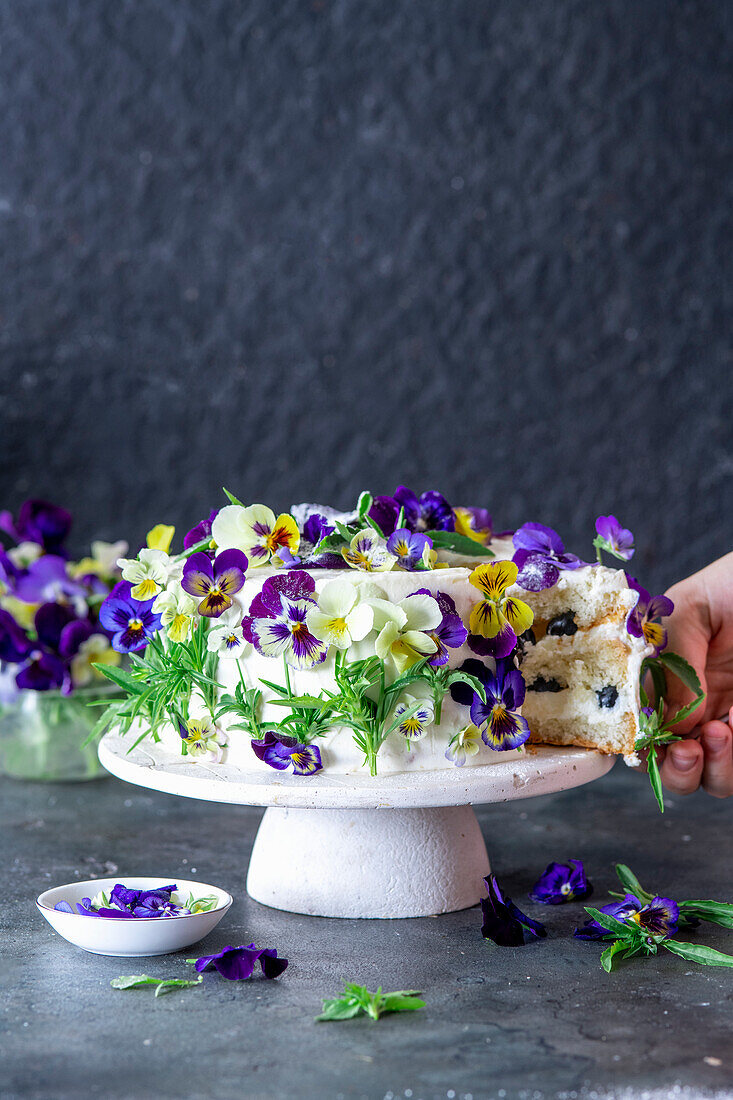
(701, 630)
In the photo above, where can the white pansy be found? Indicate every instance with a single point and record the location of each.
(177, 610)
(368, 552)
(227, 638)
(412, 716)
(403, 639)
(341, 617)
(95, 649)
(203, 740)
(149, 572)
(465, 743)
(106, 554)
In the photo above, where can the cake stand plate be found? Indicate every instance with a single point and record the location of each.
(404, 845)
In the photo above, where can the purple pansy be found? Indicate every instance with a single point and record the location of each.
(214, 583)
(502, 728)
(540, 556)
(276, 623)
(43, 669)
(127, 904)
(428, 512)
(503, 922)
(450, 633)
(46, 580)
(317, 527)
(237, 963)
(282, 752)
(658, 917)
(15, 645)
(618, 540)
(130, 622)
(409, 547)
(561, 882)
(38, 521)
(640, 622)
(201, 531)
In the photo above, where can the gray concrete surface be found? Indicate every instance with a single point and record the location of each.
(537, 1022)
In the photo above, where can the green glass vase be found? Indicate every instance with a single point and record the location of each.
(42, 736)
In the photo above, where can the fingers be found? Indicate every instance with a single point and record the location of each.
(688, 631)
(682, 768)
(717, 743)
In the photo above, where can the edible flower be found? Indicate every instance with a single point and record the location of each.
(201, 531)
(124, 903)
(502, 727)
(341, 617)
(403, 629)
(149, 572)
(131, 622)
(412, 717)
(92, 650)
(227, 637)
(640, 622)
(38, 521)
(540, 556)
(160, 537)
(450, 633)
(496, 621)
(103, 560)
(202, 739)
(658, 917)
(411, 549)
(276, 624)
(255, 530)
(238, 963)
(177, 610)
(503, 922)
(428, 512)
(281, 752)
(368, 552)
(474, 523)
(613, 538)
(466, 742)
(47, 580)
(215, 581)
(561, 882)
(15, 645)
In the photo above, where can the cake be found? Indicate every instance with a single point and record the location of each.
(403, 636)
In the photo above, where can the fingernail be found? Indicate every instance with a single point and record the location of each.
(716, 740)
(682, 760)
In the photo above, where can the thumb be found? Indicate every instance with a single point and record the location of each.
(688, 634)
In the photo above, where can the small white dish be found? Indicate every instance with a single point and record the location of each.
(131, 938)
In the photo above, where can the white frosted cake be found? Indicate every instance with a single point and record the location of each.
(403, 636)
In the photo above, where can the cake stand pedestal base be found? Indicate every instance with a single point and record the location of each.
(369, 863)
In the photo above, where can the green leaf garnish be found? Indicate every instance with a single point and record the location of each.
(231, 497)
(356, 1000)
(698, 953)
(162, 986)
(461, 544)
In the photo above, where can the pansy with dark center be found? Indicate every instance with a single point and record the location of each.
(497, 619)
(276, 625)
(238, 963)
(502, 728)
(641, 623)
(613, 538)
(214, 583)
(450, 633)
(540, 556)
(281, 752)
(428, 512)
(38, 521)
(561, 882)
(131, 622)
(410, 548)
(658, 917)
(503, 922)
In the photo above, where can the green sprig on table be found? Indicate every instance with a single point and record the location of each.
(356, 1000)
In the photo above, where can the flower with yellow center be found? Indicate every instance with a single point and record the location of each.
(149, 572)
(340, 617)
(177, 611)
(256, 531)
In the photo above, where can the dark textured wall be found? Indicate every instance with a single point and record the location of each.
(302, 248)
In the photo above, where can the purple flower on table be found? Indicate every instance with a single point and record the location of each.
(540, 556)
(276, 625)
(38, 521)
(130, 622)
(613, 538)
(503, 922)
(238, 963)
(561, 882)
(281, 752)
(641, 623)
(450, 633)
(201, 531)
(214, 583)
(410, 548)
(658, 917)
(46, 580)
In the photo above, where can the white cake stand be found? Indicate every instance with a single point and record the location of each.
(406, 845)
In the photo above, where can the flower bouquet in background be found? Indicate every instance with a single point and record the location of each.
(50, 642)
